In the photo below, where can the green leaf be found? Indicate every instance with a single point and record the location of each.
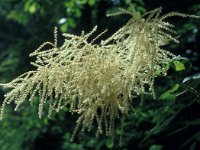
(32, 8)
(69, 4)
(81, 2)
(109, 144)
(169, 95)
(189, 26)
(156, 147)
(196, 122)
(64, 27)
(141, 9)
(91, 2)
(178, 66)
(19, 17)
(78, 13)
(71, 22)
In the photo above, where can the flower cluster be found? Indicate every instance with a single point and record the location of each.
(98, 82)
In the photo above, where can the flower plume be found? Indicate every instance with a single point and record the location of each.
(98, 81)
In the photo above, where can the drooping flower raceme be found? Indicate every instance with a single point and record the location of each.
(98, 82)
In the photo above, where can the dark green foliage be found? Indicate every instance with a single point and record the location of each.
(170, 122)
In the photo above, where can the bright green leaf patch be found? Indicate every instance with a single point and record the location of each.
(178, 66)
(64, 27)
(181, 64)
(91, 2)
(170, 94)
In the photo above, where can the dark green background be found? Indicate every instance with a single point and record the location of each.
(169, 123)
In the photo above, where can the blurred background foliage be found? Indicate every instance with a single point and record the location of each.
(170, 122)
